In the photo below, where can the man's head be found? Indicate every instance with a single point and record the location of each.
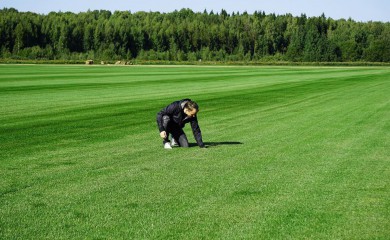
(191, 108)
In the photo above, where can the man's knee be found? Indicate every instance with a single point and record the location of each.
(184, 144)
(183, 141)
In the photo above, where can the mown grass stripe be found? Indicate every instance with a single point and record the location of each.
(295, 152)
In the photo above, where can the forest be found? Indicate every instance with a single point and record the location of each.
(185, 35)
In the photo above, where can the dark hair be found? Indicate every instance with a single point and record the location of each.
(191, 105)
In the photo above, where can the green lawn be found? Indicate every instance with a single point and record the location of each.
(294, 153)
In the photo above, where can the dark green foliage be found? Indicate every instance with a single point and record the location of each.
(190, 36)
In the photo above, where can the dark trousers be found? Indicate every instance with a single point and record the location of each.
(176, 131)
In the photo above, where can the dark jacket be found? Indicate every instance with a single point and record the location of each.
(175, 111)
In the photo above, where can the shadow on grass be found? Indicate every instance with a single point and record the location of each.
(214, 144)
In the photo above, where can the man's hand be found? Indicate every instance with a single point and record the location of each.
(163, 134)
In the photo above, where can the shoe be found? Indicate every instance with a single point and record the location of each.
(174, 143)
(167, 145)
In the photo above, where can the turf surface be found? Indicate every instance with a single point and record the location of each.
(293, 153)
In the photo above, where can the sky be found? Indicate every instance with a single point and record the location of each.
(358, 10)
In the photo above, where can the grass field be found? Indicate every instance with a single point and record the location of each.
(293, 153)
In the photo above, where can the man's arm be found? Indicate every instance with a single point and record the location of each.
(167, 111)
(197, 133)
(159, 119)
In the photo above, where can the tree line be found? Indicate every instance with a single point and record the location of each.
(190, 36)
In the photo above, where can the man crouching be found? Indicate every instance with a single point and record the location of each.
(171, 120)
